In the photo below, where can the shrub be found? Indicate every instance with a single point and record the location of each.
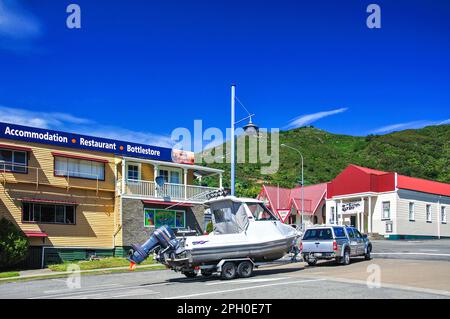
(13, 244)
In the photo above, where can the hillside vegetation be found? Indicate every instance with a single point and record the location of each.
(423, 153)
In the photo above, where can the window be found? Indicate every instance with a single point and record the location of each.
(260, 212)
(443, 215)
(386, 210)
(320, 233)
(411, 211)
(351, 234)
(339, 232)
(357, 233)
(13, 161)
(48, 213)
(428, 213)
(80, 168)
(133, 172)
(332, 215)
(159, 217)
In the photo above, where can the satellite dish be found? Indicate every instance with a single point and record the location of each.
(160, 181)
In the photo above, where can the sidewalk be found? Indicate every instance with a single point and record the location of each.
(42, 273)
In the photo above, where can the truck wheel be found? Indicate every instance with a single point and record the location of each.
(190, 274)
(346, 258)
(312, 262)
(245, 269)
(367, 255)
(228, 271)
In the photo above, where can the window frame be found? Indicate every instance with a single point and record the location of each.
(169, 174)
(31, 213)
(139, 171)
(413, 219)
(382, 210)
(429, 211)
(169, 210)
(13, 163)
(55, 157)
(444, 211)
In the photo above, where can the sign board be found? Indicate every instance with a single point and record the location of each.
(352, 207)
(91, 143)
(283, 213)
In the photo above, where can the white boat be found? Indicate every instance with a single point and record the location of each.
(244, 229)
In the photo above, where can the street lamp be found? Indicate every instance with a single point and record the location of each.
(250, 129)
(303, 186)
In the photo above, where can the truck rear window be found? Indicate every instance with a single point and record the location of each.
(319, 233)
(339, 232)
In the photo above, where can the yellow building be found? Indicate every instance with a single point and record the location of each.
(75, 196)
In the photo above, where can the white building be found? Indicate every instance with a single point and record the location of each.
(389, 204)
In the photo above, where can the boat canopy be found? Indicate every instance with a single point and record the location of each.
(229, 217)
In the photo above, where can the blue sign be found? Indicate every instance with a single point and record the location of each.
(91, 143)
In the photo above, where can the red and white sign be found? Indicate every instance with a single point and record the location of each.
(283, 213)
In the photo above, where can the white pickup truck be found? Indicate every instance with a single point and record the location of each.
(334, 242)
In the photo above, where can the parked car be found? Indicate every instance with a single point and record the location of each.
(340, 243)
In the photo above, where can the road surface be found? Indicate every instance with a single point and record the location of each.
(398, 270)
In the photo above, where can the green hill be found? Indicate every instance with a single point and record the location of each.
(421, 153)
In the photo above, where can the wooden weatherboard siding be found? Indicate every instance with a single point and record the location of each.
(95, 218)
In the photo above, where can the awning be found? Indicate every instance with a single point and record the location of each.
(48, 201)
(32, 233)
(15, 147)
(93, 159)
(158, 202)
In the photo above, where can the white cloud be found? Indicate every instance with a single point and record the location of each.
(18, 28)
(70, 123)
(408, 125)
(310, 118)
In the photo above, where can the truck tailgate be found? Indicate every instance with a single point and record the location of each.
(317, 246)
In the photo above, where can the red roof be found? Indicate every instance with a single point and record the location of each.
(423, 185)
(283, 198)
(158, 202)
(356, 179)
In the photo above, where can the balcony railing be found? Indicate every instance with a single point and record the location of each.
(173, 192)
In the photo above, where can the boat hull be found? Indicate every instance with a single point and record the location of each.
(257, 251)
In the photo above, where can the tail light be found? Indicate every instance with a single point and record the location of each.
(132, 266)
(334, 246)
(301, 247)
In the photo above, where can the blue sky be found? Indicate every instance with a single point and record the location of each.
(137, 71)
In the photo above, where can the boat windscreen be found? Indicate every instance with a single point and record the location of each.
(228, 217)
(260, 212)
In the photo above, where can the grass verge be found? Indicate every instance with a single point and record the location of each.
(98, 264)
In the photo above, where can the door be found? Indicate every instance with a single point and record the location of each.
(353, 242)
(353, 221)
(361, 244)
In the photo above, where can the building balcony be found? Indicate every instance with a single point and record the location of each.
(168, 192)
(137, 180)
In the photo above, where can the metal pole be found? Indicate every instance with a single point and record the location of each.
(233, 99)
(303, 194)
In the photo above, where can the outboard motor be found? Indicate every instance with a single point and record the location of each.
(163, 237)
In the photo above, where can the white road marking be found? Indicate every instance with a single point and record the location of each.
(80, 293)
(434, 250)
(417, 253)
(392, 286)
(238, 281)
(103, 295)
(87, 289)
(245, 288)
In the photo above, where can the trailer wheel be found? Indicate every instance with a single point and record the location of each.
(245, 269)
(228, 271)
